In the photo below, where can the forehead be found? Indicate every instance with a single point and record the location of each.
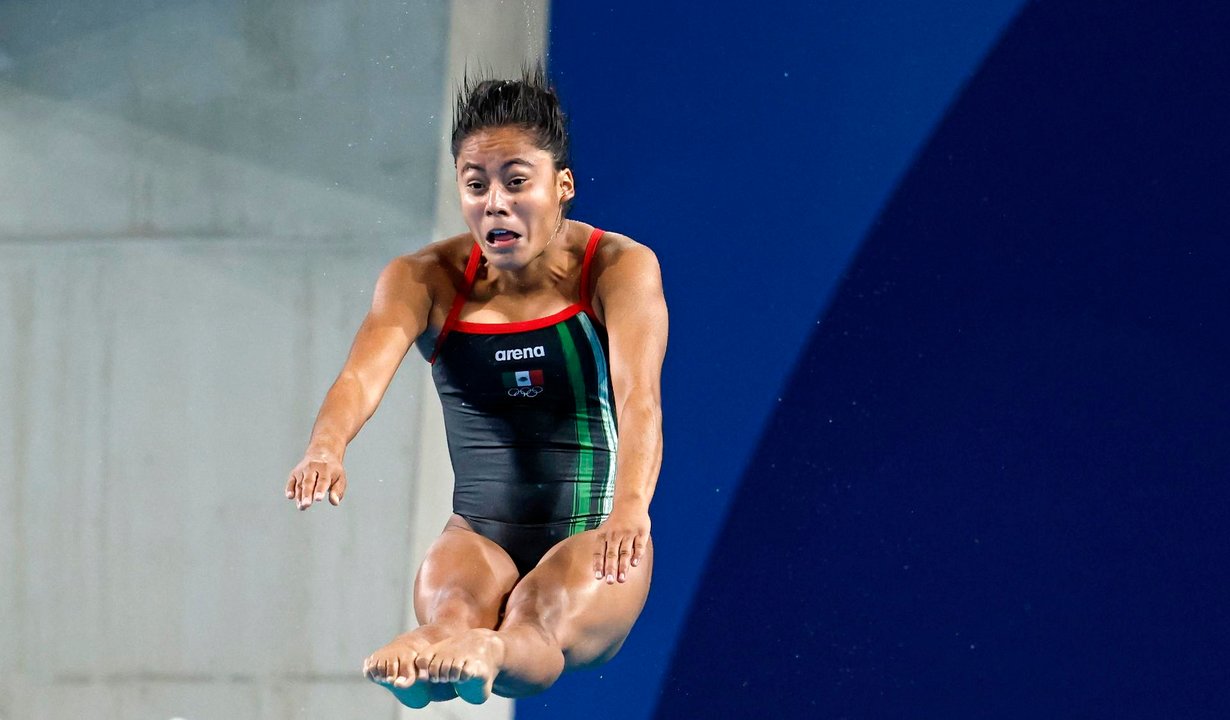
(495, 146)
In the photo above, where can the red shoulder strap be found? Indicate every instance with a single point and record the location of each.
(458, 301)
(587, 290)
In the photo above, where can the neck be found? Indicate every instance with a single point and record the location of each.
(545, 270)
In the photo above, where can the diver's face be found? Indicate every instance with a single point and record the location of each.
(511, 195)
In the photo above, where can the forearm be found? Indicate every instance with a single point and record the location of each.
(640, 453)
(345, 410)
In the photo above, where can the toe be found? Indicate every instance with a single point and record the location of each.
(434, 671)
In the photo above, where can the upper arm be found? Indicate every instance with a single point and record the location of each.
(629, 289)
(399, 313)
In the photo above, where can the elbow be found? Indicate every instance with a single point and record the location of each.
(643, 412)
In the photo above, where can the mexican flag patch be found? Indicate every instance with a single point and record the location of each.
(522, 378)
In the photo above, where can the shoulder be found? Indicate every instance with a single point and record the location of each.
(620, 259)
(434, 267)
(625, 277)
(616, 250)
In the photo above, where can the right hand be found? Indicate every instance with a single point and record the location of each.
(317, 476)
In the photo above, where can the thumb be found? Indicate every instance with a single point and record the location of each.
(338, 491)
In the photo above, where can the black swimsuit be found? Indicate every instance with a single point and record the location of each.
(530, 417)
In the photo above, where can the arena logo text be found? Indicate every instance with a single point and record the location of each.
(520, 353)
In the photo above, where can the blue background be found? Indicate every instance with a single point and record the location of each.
(946, 401)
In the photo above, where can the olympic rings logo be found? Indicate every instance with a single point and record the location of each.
(525, 392)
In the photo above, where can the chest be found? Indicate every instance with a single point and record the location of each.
(555, 365)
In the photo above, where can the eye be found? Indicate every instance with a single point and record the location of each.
(475, 185)
(518, 181)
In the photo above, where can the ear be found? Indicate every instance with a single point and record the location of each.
(567, 185)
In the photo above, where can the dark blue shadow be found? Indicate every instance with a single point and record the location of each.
(998, 485)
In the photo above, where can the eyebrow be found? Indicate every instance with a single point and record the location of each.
(514, 161)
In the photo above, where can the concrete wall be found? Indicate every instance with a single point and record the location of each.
(195, 200)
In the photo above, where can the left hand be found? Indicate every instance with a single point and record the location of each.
(622, 541)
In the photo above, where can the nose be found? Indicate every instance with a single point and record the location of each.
(497, 202)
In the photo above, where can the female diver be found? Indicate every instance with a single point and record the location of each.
(545, 335)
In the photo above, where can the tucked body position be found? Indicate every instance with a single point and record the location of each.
(546, 338)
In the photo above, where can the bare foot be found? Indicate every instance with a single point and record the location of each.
(469, 661)
(392, 667)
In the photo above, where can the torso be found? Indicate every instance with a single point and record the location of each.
(528, 409)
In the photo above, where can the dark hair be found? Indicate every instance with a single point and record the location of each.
(529, 103)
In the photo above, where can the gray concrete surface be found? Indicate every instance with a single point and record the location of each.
(195, 200)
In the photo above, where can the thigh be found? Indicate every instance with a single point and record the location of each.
(463, 567)
(587, 617)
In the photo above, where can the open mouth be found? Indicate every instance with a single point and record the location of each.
(501, 237)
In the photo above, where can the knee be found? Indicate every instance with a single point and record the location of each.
(531, 640)
(538, 605)
(539, 610)
(514, 688)
(592, 653)
(455, 604)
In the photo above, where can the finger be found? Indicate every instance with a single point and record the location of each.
(612, 560)
(599, 555)
(339, 489)
(625, 554)
(290, 485)
(638, 550)
(311, 489)
(454, 674)
(293, 486)
(321, 486)
(434, 673)
(305, 489)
